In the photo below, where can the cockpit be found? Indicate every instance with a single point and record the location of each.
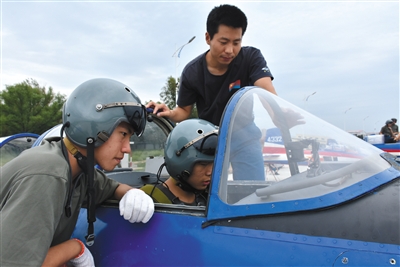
(306, 162)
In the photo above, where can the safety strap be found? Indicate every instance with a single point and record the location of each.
(91, 205)
(87, 165)
(71, 148)
(156, 193)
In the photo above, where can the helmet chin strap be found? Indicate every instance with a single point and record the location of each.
(91, 193)
(87, 166)
(183, 184)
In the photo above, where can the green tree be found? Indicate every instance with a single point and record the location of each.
(27, 107)
(168, 92)
(168, 95)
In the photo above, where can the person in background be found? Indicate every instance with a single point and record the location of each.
(388, 134)
(43, 189)
(189, 155)
(395, 128)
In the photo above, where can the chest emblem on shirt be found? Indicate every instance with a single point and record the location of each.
(234, 86)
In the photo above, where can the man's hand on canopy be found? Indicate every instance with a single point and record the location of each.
(288, 119)
(160, 109)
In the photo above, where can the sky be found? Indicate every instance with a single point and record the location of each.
(342, 55)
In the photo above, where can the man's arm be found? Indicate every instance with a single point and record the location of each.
(292, 118)
(266, 83)
(121, 191)
(177, 114)
(62, 253)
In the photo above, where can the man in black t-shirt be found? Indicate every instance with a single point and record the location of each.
(212, 78)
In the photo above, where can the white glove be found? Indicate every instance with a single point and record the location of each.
(136, 206)
(84, 260)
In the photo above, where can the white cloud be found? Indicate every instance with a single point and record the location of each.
(346, 51)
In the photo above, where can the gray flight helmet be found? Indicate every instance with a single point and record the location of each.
(191, 141)
(96, 107)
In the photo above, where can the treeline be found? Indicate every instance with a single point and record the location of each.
(28, 107)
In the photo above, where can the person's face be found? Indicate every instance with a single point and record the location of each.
(112, 151)
(201, 175)
(225, 45)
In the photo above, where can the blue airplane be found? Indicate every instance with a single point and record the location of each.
(378, 140)
(13, 145)
(392, 148)
(333, 201)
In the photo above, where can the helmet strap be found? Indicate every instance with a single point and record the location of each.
(81, 159)
(183, 184)
(87, 166)
(91, 205)
(103, 136)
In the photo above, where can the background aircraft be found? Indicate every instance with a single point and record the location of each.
(11, 146)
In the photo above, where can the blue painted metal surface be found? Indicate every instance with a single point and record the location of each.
(179, 240)
(393, 148)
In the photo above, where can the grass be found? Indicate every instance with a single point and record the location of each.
(141, 155)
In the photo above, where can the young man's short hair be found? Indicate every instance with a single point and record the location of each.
(227, 15)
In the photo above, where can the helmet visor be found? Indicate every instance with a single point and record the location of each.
(136, 116)
(207, 145)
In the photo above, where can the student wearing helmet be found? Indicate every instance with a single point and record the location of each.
(43, 189)
(189, 155)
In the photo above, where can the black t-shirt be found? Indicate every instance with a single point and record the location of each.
(211, 93)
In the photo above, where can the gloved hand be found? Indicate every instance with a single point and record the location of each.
(136, 206)
(85, 259)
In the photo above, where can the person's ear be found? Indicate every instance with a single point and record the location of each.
(208, 39)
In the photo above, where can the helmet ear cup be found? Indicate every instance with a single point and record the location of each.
(185, 175)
